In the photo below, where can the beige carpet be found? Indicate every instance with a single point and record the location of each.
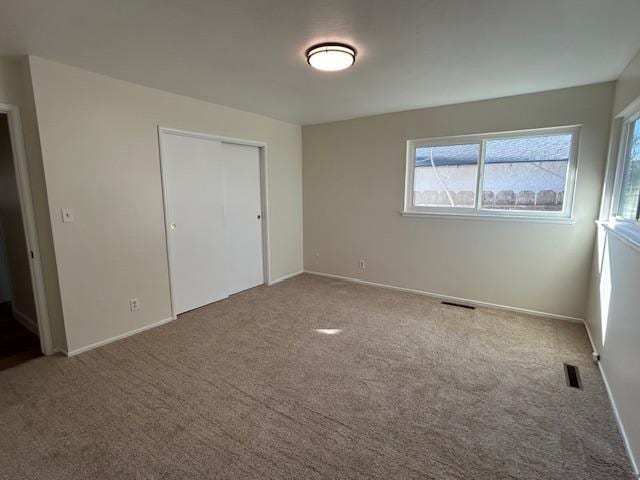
(393, 385)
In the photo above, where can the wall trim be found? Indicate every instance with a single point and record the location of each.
(623, 433)
(625, 235)
(285, 277)
(26, 321)
(499, 218)
(101, 343)
(452, 298)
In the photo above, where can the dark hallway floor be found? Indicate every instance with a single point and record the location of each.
(17, 344)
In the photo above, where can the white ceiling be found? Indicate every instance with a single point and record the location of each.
(249, 54)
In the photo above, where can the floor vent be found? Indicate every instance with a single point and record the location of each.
(452, 304)
(572, 375)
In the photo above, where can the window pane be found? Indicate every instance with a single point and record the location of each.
(630, 193)
(446, 176)
(526, 173)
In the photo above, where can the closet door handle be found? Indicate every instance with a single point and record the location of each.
(259, 216)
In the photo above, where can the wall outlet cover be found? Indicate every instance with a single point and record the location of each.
(134, 304)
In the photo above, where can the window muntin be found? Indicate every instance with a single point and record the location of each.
(524, 174)
(629, 189)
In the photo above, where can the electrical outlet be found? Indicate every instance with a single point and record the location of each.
(362, 265)
(316, 254)
(134, 304)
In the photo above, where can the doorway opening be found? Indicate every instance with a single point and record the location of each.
(24, 320)
(19, 340)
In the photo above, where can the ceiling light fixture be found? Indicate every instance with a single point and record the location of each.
(331, 57)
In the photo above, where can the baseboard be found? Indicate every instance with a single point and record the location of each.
(27, 322)
(101, 343)
(440, 296)
(623, 433)
(286, 277)
(593, 344)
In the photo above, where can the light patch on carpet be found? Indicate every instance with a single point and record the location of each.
(328, 331)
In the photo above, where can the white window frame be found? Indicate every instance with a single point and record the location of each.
(628, 228)
(621, 164)
(477, 212)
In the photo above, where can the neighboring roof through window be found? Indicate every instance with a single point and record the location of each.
(547, 148)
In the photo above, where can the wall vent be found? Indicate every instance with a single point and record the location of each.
(572, 375)
(452, 304)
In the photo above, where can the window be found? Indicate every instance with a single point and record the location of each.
(446, 175)
(627, 204)
(519, 174)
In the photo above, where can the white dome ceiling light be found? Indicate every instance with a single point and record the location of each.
(331, 57)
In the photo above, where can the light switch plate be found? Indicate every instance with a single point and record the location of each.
(67, 215)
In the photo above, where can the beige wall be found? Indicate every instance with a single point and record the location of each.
(15, 242)
(613, 319)
(613, 315)
(15, 89)
(627, 86)
(353, 174)
(100, 152)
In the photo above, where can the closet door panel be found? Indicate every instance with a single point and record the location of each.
(193, 176)
(243, 217)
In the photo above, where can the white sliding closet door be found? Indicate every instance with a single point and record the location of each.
(193, 176)
(243, 223)
(213, 213)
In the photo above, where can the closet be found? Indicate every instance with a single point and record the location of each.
(213, 215)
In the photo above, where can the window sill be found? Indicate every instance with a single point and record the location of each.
(500, 218)
(628, 233)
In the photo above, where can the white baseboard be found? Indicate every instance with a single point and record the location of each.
(286, 277)
(71, 353)
(467, 301)
(593, 344)
(625, 439)
(27, 322)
